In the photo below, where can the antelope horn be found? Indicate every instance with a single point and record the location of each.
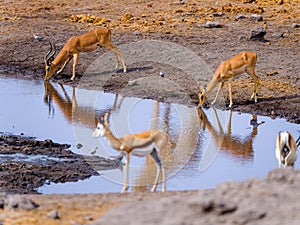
(48, 53)
(106, 118)
(51, 58)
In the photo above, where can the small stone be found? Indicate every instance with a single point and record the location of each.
(212, 24)
(218, 14)
(256, 17)
(79, 146)
(240, 16)
(258, 34)
(179, 3)
(162, 74)
(19, 202)
(295, 25)
(93, 150)
(54, 214)
(278, 35)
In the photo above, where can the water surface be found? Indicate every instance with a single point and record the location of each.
(208, 146)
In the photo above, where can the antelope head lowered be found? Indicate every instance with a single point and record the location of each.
(86, 42)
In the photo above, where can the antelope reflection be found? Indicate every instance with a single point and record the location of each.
(235, 145)
(182, 145)
(73, 112)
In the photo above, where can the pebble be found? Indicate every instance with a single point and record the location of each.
(258, 34)
(54, 214)
(93, 150)
(295, 25)
(19, 202)
(218, 14)
(240, 16)
(212, 24)
(278, 35)
(256, 17)
(162, 74)
(179, 3)
(79, 146)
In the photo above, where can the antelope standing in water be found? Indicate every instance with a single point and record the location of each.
(150, 142)
(286, 149)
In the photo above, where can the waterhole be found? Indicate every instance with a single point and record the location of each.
(207, 146)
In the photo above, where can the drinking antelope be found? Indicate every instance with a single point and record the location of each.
(238, 64)
(286, 149)
(86, 42)
(142, 144)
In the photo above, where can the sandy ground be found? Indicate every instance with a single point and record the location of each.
(135, 23)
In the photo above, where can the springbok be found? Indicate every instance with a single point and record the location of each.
(150, 142)
(238, 64)
(286, 149)
(86, 42)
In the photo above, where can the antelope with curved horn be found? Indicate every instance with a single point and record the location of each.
(286, 149)
(238, 64)
(84, 43)
(142, 144)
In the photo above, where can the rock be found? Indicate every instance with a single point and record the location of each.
(258, 34)
(19, 202)
(212, 24)
(79, 146)
(162, 74)
(295, 25)
(179, 3)
(93, 150)
(240, 16)
(256, 17)
(54, 214)
(278, 35)
(218, 14)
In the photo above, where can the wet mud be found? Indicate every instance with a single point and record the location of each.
(27, 164)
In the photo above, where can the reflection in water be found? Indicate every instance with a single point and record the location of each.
(245, 150)
(68, 106)
(235, 145)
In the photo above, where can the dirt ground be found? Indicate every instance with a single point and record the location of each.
(181, 23)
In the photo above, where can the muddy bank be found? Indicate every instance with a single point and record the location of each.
(255, 201)
(27, 164)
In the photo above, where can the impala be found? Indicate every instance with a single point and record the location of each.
(238, 64)
(142, 144)
(286, 149)
(84, 43)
